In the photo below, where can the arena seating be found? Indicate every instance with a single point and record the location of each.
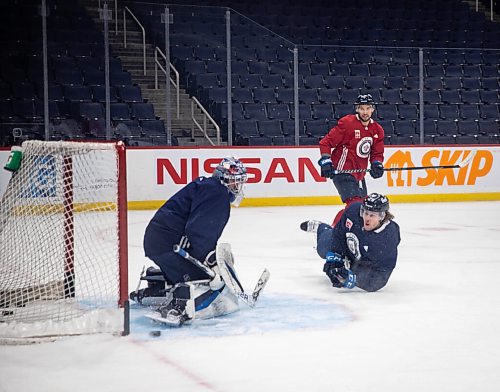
(76, 77)
(338, 59)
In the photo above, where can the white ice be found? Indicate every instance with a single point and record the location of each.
(434, 327)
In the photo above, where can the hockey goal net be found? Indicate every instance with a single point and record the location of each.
(63, 241)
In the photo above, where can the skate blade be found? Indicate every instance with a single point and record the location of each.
(159, 319)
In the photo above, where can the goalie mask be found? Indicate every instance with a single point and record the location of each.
(233, 175)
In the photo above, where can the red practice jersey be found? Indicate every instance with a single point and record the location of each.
(353, 145)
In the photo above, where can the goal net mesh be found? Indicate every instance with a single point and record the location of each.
(59, 241)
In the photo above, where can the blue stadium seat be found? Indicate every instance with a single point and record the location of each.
(490, 83)
(489, 96)
(142, 111)
(322, 69)
(272, 81)
(489, 111)
(395, 82)
(489, 126)
(450, 96)
(466, 139)
(390, 96)
(242, 95)
(405, 140)
(264, 95)
(129, 93)
(318, 128)
(404, 127)
(322, 111)
(431, 112)
(314, 81)
(343, 109)
(407, 112)
(119, 111)
(469, 112)
(154, 128)
(251, 80)
(375, 83)
(446, 127)
(448, 112)
(386, 112)
(255, 111)
(354, 82)
(334, 82)
(269, 127)
(444, 139)
(467, 127)
(470, 97)
(452, 83)
(278, 111)
(91, 110)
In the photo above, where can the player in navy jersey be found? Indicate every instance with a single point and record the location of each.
(356, 141)
(361, 250)
(194, 218)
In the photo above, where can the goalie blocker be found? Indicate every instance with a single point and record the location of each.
(183, 302)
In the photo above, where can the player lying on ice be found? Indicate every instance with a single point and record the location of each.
(194, 218)
(361, 250)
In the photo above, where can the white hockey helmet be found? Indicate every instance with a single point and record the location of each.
(233, 175)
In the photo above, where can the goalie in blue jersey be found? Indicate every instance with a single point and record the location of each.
(361, 250)
(194, 218)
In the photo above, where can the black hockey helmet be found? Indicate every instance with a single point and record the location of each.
(364, 99)
(375, 202)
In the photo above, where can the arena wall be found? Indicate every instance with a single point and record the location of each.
(290, 175)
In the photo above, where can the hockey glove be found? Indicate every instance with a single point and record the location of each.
(377, 169)
(340, 277)
(326, 165)
(335, 260)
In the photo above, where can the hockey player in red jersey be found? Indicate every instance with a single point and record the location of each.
(356, 141)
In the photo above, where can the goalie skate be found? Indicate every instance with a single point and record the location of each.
(180, 309)
(172, 317)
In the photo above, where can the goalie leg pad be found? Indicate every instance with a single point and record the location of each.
(216, 303)
(225, 268)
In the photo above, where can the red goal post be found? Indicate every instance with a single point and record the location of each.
(63, 241)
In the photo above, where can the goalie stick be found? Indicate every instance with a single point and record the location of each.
(465, 162)
(249, 299)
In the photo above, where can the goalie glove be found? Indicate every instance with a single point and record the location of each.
(340, 277)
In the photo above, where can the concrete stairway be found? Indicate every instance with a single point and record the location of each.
(183, 127)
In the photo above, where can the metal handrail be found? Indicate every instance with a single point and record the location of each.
(125, 10)
(174, 83)
(207, 116)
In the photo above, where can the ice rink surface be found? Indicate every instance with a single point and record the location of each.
(434, 327)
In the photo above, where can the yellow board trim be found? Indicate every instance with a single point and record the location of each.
(335, 200)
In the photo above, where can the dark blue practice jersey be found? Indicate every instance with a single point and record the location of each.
(200, 211)
(372, 254)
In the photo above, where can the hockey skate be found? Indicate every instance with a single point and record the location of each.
(310, 226)
(178, 310)
(175, 313)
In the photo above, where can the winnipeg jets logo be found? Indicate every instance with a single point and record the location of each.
(364, 146)
(348, 223)
(353, 245)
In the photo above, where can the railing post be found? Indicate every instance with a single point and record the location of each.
(168, 112)
(296, 92)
